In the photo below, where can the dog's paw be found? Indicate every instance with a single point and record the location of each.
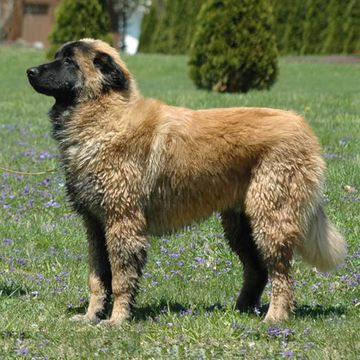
(85, 319)
(276, 318)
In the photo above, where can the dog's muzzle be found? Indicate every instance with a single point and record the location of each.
(33, 72)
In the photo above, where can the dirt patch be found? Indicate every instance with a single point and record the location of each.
(324, 59)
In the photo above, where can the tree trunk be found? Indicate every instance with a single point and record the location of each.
(123, 31)
(5, 16)
(114, 24)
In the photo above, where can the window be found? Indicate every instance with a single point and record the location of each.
(36, 9)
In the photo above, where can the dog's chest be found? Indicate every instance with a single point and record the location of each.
(82, 177)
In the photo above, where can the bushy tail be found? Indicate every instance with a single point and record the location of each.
(323, 246)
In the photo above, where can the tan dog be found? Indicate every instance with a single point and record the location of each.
(136, 166)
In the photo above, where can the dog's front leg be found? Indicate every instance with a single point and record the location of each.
(99, 272)
(127, 249)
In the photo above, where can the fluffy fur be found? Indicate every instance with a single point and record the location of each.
(136, 166)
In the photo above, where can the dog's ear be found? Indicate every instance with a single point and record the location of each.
(114, 77)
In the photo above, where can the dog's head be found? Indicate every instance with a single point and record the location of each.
(81, 70)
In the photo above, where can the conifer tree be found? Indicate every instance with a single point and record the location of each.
(148, 26)
(79, 19)
(316, 21)
(234, 47)
(352, 28)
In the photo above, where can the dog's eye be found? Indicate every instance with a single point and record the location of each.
(67, 61)
(97, 61)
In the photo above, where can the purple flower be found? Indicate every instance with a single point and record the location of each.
(7, 241)
(275, 332)
(164, 250)
(308, 345)
(22, 351)
(44, 342)
(236, 325)
(21, 261)
(331, 156)
(288, 353)
(186, 312)
(52, 203)
(352, 282)
(45, 182)
(342, 142)
(199, 260)
(45, 155)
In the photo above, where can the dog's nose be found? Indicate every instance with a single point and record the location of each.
(32, 72)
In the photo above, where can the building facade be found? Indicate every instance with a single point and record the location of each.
(29, 20)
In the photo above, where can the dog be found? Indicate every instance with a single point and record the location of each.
(136, 167)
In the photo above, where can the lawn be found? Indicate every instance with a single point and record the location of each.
(185, 306)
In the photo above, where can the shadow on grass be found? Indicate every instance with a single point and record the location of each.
(152, 311)
(163, 307)
(78, 309)
(318, 310)
(315, 311)
(12, 290)
(141, 313)
(303, 311)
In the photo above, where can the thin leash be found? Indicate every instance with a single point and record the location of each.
(25, 172)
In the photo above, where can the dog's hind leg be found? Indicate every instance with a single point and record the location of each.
(100, 273)
(276, 239)
(239, 235)
(277, 200)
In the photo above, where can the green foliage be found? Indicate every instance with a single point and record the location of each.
(334, 34)
(181, 17)
(183, 24)
(342, 35)
(169, 26)
(79, 19)
(293, 33)
(148, 25)
(281, 13)
(352, 27)
(300, 26)
(162, 33)
(234, 47)
(315, 24)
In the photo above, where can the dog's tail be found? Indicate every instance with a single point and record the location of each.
(323, 246)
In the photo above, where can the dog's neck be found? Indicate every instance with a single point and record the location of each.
(62, 113)
(58, 114)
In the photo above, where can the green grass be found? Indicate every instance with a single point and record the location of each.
(185, 306)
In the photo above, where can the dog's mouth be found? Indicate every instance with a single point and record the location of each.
(41, 85)
(47, 84)
(40, 88)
